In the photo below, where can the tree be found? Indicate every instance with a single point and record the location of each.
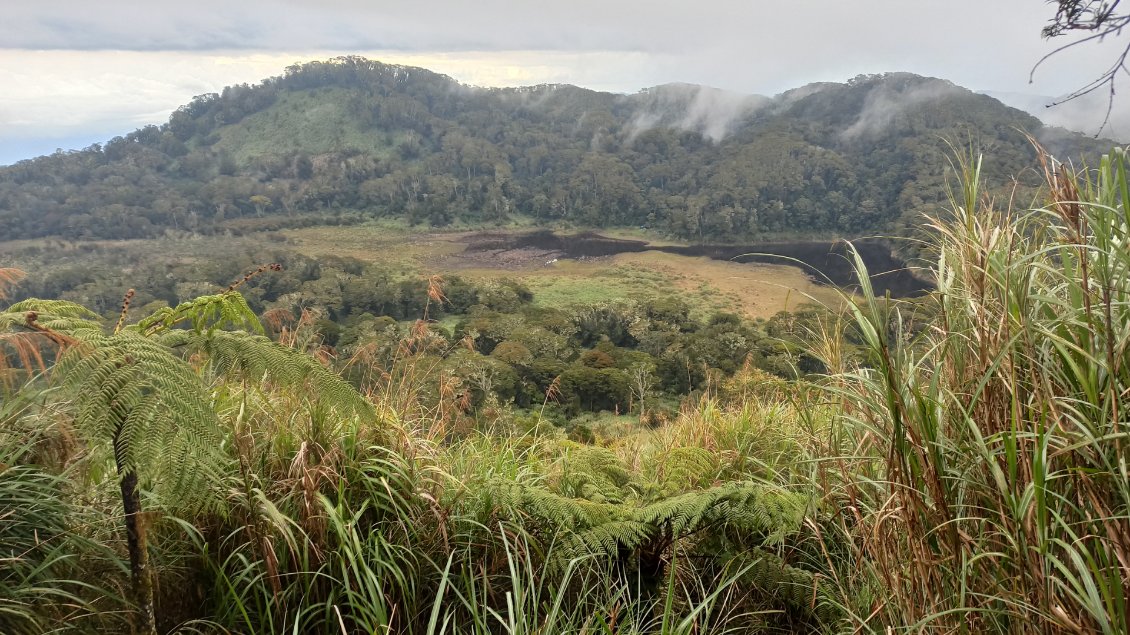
(642, 376)
(260, 202)
(1098, 19)
(134, 395)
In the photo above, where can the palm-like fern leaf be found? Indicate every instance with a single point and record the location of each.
(133, 391)
(257, 358)
(594, 473)
(205, 313)
(686, 468)
(742, 520)
(59, 316)
(30, 331)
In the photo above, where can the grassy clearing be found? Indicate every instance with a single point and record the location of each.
(391, 244)
(755, 290)
(310, 121)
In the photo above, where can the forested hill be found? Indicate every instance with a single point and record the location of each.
(354, 138)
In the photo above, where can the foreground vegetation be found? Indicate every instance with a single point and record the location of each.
(966, 473)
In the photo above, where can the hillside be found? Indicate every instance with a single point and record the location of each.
(352, 139)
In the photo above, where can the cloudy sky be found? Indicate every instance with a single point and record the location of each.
(75, 72)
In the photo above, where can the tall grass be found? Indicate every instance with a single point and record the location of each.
(969, 476)
(47, 545)
(979, 467)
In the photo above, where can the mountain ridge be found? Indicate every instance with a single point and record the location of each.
(357, 138)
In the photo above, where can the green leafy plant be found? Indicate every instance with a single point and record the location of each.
(597, 511)
(135, 395)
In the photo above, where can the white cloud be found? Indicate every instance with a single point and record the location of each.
(73, 66)
(53, 91)
(885, 102)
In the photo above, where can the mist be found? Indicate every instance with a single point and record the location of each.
(1084, 114)
(711, 112)
(886, 101)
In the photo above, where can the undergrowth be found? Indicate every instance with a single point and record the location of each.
(968, 475)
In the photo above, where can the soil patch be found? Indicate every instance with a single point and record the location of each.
(827, 262)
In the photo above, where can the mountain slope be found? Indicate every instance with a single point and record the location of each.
(358, 137)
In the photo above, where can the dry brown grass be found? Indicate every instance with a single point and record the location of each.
(9, 278)
(754, 290)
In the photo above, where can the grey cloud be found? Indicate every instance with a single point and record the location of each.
(615, 45)
(1085, 114)
(344, 25)
(753, 47)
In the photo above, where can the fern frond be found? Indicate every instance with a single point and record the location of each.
(686, 468)
(257, 358)
(681, 514)
(608, 539)
(67, 318)
(149, 403)
(206, 313)
(546, 509)
(770, 513)
(594, 473)
(32, 330)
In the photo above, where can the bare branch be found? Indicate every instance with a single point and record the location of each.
(1101, 19)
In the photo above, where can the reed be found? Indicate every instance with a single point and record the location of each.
(978, 465)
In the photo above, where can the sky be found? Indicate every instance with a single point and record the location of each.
(76, 72)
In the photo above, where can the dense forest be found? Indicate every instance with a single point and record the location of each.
(486, 338)
(352, 139)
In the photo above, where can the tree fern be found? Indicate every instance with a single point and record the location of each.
(133, 391)
(685, 468)
(32, 331)
(258, 358)
(600, 510)
(593, 473)
(152, 408)
(57, 318)
(206, 313)
(546, 508)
